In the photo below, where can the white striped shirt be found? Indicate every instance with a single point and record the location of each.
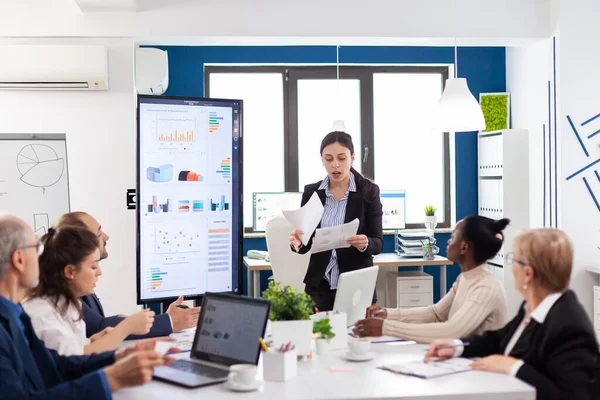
(334, 214)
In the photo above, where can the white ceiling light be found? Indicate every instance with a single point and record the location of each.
(457, 110)
(338, 124)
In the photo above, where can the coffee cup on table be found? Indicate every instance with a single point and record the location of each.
(359, 346)
(242, 374)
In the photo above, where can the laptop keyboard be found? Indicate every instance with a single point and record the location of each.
(199, 369)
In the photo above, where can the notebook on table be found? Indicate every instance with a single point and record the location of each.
(431, 369)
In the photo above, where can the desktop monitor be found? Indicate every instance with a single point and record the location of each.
(394, 209)
(189, 197)
(270, 204)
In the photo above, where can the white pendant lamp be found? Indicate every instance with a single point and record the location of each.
(338, 124)
(458, 110)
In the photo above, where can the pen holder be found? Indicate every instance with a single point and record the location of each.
(279, 366)
(428, 252)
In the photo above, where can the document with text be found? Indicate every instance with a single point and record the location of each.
(334, 237)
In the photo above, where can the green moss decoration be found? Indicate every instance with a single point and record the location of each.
(495, 111)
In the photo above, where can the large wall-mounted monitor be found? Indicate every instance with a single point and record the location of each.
(189, 197)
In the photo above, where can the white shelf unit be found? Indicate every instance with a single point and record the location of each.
(503, 177)
(407, 289)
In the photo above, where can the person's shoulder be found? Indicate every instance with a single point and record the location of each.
(312, 187)
(39, 307)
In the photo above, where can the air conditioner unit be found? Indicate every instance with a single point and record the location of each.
(151, 70)
(53, 67)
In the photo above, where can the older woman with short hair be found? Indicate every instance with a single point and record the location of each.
(550, 344)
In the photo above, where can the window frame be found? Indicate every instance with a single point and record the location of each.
(364, 73)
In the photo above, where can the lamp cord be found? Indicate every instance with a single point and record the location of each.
(455, 46)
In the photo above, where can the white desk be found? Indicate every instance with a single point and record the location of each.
(365, 382)
(383, 260)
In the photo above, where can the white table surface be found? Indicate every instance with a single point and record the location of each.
(315, 381)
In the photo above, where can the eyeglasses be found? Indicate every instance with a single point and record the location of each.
(510, 258)
(39, 247)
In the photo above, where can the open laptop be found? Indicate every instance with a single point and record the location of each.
(228, 330)
(355, 293)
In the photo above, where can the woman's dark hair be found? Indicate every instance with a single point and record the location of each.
(69, 245)
(485, 235)
(364, 187)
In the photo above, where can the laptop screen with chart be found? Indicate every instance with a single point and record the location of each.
(188, 197)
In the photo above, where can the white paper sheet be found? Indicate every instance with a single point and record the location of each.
(306, 218)
(334, 237)
(432, 369)
(162, 347)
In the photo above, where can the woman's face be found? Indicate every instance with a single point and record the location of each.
(455, 248)
(519, 271)
(82, 281)
(337, 160)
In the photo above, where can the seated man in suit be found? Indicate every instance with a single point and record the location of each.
(174, 320)
(29, 370)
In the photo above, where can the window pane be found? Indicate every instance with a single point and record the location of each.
(320, 102)
(408, 153)
(262, 94)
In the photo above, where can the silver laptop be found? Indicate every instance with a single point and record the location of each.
(355, 291)
(228, 330)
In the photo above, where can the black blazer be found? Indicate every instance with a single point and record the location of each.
(561, 355)
(368, 210)
(95, 321)
(28, 370)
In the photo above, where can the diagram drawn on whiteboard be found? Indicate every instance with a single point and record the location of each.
(41, 223)
(40, 166)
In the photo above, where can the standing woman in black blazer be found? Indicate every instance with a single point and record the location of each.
(550, 344)
(345, 195)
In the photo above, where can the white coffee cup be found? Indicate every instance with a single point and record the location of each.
(242, 374)
(359, 346)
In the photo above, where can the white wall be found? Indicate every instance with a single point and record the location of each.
(284, 18)
(528, 70)
(100, 129)
(579, 85)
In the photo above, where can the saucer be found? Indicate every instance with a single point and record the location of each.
(238, 387)
(363, 357)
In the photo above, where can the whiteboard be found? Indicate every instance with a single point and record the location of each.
(34, 178)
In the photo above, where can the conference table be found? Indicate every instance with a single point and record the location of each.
(384, 261)
(317, 380)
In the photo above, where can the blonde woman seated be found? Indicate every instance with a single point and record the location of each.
(475, 303)
(550, 344)
(68, 270)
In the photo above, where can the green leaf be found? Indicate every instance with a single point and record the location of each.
(430, 210)
(287, 304)
(323, 328)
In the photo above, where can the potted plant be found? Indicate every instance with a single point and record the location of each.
(290, 316)
(323, 335)
(430, 218)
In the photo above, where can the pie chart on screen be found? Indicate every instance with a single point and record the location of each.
(39, 165)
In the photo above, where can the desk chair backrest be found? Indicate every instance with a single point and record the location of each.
(289, 268)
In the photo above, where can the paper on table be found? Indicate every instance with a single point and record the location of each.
(162, 347)
(307, 218)
(334, 237)
(431, 369)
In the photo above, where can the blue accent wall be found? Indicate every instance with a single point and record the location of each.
(484, 68)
